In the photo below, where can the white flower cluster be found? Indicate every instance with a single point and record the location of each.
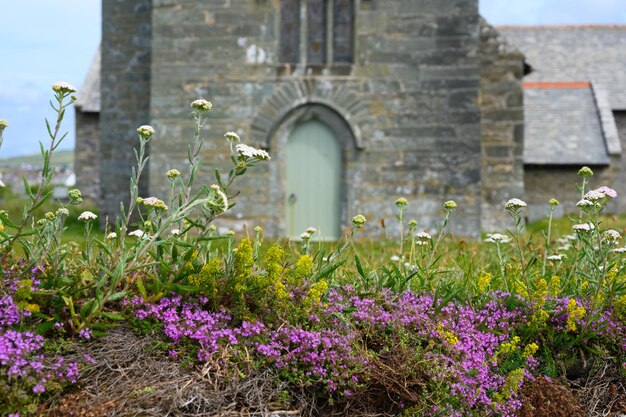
(63, 87)
(514, 204)
(139, 234)
(154, 203)
(585, 203)
(566, 242)
(600, 193)
(145, 131)
(497, 238)
(422, 239)
(583, 227)
(232, 137)
(250, 152)
(201, 105)
(594, 195)
(308, 233)
(555, 257)
(611, 235)
(87, 216)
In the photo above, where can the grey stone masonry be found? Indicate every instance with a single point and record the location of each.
(87, 154)
(125, 96)
(408, 102)
(502, 126)
(87, 148)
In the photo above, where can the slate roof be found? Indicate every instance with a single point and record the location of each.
(89, 93)
(575, 53)
(562, 125)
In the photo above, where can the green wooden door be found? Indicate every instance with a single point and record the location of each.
(313, 195)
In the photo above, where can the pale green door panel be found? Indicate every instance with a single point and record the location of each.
(313, 196)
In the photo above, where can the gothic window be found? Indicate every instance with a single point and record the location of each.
(316, 32)
(325, 36)
(289, 49)
(343, 14)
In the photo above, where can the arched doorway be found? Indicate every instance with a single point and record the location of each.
(314, 180)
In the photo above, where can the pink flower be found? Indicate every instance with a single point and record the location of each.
(609, 192)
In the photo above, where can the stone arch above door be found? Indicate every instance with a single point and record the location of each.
(332, 103)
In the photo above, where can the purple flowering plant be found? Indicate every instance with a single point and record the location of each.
(442, 328)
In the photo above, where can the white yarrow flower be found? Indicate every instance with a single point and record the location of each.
(63, 87)
(154, 202)
(145, 130)
(112, 235)
(514, 204)
(612, 235)
(555, 257)
(395, 258)
(585, 203)
(311, 230)
(497, 238)
(423, 236)
(201, 105)
(250, 152)
(2, 185)
(137, 233)
(619, 250)
(175, 232)
(232, 137)
(87, 216)
(583, 227)
(594, 195)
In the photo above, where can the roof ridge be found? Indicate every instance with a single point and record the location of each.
(556, 84)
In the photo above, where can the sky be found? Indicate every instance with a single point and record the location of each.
(45, 41)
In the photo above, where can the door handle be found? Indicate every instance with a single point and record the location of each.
(292, 199)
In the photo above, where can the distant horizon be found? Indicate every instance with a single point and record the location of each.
(37, 51)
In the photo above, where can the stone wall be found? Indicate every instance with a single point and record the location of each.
(502, 126)
(87, 154)
(125, 96)
(560, 182)
(543, 183)
(409, 100)
(620, 161)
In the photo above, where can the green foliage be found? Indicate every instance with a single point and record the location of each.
(564, 286)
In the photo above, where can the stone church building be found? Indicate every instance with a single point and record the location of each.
(358, 102)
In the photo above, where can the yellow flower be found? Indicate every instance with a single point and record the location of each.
(483, 281)
(303, 269)
(511, 385)
(510, 346)
(555, 286)
(447, 335)
(316, 291)
(574, 314)
(530, 350)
